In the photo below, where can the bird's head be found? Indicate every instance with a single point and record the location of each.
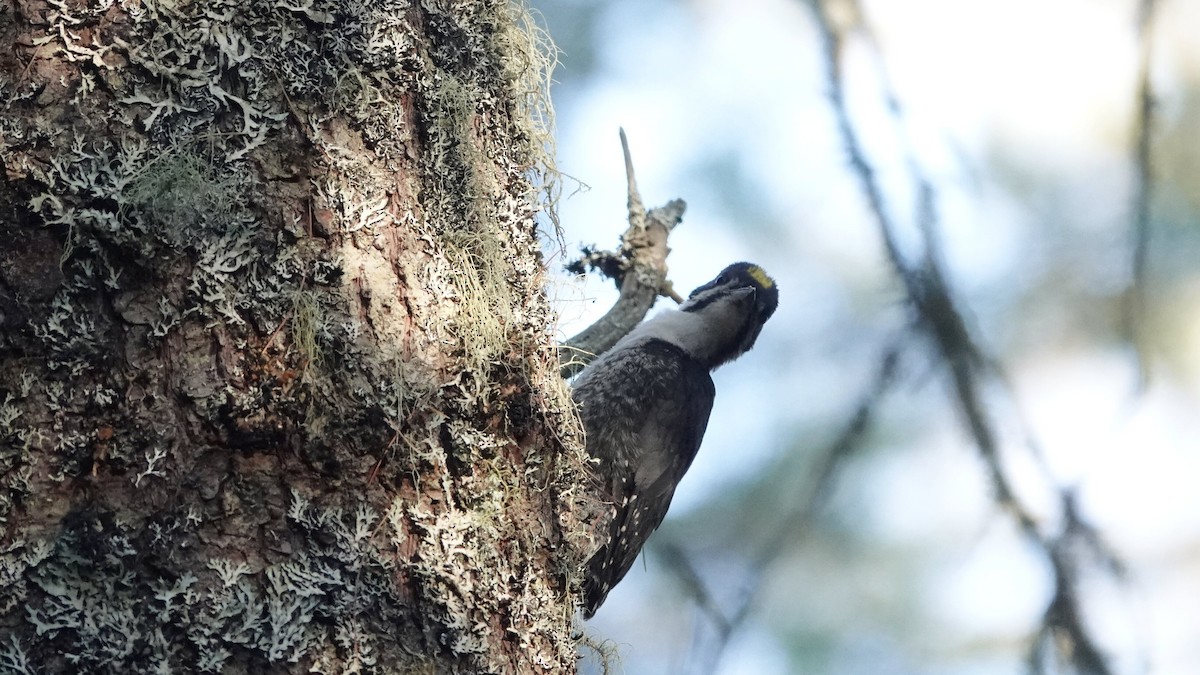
(734, 307)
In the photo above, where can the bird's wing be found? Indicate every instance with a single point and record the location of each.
(670, 435)
(665, 417)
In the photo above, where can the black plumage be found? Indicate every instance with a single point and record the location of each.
(644, 438)
(645, 406)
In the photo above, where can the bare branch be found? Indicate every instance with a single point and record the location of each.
(639, 269)
(1135, 294)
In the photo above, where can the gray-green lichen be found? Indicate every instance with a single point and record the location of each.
(109, 615)
(283, 393)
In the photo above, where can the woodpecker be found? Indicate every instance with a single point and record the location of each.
(645, 406)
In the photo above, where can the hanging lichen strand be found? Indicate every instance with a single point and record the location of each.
(280, 387)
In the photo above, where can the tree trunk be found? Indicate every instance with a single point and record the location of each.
(277, 389)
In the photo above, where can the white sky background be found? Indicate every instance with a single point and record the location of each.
(1041, 88)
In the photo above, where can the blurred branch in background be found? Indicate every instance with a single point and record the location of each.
(1064, 629)
(1135, 295)
(808, 497)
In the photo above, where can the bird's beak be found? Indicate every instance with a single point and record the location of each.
(745, 295)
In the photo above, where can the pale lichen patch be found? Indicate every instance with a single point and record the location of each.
(318, 256)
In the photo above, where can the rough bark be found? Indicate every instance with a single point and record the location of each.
(277, 389)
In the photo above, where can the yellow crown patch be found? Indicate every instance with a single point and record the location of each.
(760, 276)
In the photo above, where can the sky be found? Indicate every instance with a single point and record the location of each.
(1020, 114)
